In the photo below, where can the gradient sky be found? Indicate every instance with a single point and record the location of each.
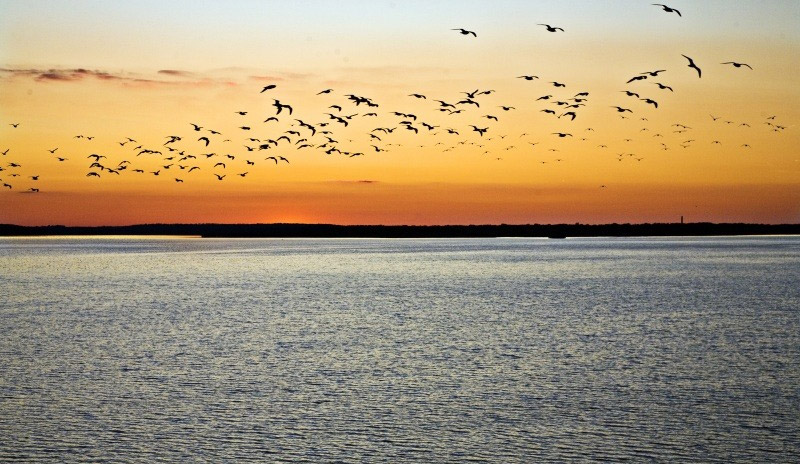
(146, 70)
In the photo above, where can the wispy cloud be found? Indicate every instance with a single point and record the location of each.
(164, 77)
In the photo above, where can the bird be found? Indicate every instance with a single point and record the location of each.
(14, 125)
(241, 113)
(196, 127)
(663, 87)
(562, 134)
(220, 177)
(280, 106)
(283, 159)
(630, 94)
(268, 87)
(325, 91)
(53, 150)
(93, 174)
(551, 28)
(621, 109)
(668, 9)
(528, 77)
(692, 65)
(465, 32)
(204, 139)
(479, 130)
(417, 95)
(738, 65)
(649, 101)
(220, 164)
(637, 78)
(178, 180)
(558, 84)
(654, 73)
(507, 108)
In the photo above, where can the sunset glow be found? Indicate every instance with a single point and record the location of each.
(711, 151)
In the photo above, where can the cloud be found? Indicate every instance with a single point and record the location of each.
(175, 72)
(171, 77)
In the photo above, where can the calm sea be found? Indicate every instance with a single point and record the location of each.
(486, 350)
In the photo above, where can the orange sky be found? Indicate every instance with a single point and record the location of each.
(173, 74)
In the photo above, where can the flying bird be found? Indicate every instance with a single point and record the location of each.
(280, 106)
(325, 91)
(664, 87)
(528, 77)
(204, 139)
(668, 9)
(268, 87)
(692, 65)
(551, 28)
(738, 65)
(465, 32)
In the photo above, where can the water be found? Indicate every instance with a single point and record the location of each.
(506, 350)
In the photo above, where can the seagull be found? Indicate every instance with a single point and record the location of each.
(737, 65)
(325, 91)
(280, 106)
(637, 78)
(204, 139)
(479, 130)
(652, 102)
(562, 134)
(528, 77)
(551, 28)
(268, 87)
(416, 95)
(654, 73)
(663, 87)
(465, 32)
(668, 9)
(558, 84)
(621, 109)
(630, 94)
(220, 177)
(692, 65)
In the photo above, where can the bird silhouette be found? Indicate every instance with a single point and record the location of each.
(280, 106)
(268, 87)
(220, 177)
(738, 65)
(551, 28)
(465, 32)
(526, 77)
(692, 65)
(663, 87)
(204, 139)
(668, 9)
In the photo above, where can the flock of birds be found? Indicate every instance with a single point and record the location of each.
(198, 149)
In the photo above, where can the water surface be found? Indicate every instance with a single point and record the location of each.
(482, 350)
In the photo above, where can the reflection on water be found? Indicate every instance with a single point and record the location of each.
(507, 350)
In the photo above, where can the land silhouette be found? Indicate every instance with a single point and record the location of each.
(284, 230)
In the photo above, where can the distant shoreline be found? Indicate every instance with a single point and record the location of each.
(377, 231)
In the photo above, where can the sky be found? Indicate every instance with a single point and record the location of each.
(722, 147)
